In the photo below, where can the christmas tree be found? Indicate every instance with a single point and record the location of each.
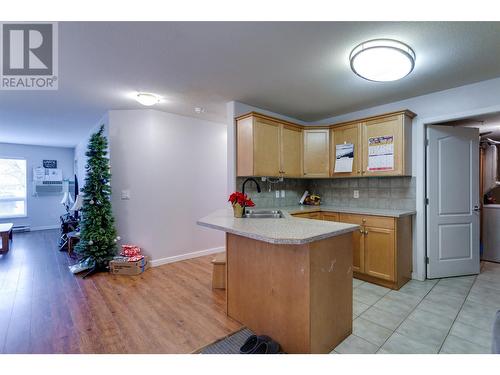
(98, 238)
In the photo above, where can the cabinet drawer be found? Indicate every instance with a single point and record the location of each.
(351, 218)
(304, 215)
(368, 220)
(330, 216)
(308, 215)
(315, 215)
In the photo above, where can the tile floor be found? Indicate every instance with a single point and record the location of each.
(452, 315)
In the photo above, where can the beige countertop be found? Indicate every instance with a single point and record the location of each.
(289, 229)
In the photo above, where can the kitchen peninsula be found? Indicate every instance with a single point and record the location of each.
(289, 278)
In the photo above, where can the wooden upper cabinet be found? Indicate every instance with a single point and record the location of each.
(346, 134)
(316, 153)
(266, 145)
(268, 148)
(386, 146)
(291, 151)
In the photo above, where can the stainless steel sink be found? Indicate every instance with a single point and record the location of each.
(263, 214)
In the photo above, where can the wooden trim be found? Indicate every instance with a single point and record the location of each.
(269, 118)
(406, 112)
(375, 280)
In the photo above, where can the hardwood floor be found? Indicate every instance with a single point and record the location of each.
(46, 309)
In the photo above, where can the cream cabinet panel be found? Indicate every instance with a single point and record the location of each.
(291, 151)
(398, 127)
(346, 134)
(266, 145)
(380, 253)
(316, 153)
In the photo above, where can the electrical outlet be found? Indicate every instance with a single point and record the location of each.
(356, 194)
(263, 179)
(277, 193)
(125, 195)
(282, 193)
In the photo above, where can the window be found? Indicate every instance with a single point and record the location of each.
(12, 188)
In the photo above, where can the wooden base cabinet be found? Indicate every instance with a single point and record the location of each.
(300, 295)
(379, 253)
(381, 248)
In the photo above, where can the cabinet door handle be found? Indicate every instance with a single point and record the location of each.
(361, 231)
(366, 232)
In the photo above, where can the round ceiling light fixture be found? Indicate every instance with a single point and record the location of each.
(382, 60)
(147, 99)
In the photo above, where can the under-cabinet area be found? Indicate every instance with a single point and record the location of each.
(375, 146)
(382, 246)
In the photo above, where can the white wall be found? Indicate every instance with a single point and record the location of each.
(175, 170)
(478, 98)
(43, 210)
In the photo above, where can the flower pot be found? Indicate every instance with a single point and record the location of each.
(238, 210)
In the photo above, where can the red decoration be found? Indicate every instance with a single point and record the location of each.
(241, 199)
(132, 252)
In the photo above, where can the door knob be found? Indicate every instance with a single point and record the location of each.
(477, 208)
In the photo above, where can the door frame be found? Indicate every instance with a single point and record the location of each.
(420, 238)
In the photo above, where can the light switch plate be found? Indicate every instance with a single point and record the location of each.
(282, 193)
(277, 193)
(356, 194)
(125, 194)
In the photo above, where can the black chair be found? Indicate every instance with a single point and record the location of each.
(68, 224)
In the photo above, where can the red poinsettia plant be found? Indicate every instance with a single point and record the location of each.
(241, 199)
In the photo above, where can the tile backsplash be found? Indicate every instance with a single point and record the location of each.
(374, 192)
(293, 187)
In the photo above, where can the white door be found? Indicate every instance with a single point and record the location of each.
(453, 201)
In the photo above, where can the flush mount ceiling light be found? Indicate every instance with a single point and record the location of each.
(382, 60)
(147, 99)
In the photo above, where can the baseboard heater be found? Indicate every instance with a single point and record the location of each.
(21, 228)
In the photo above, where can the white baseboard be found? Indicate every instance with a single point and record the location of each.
(196, 254)
(46, 227)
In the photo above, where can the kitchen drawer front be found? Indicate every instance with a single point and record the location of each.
(305, 215)
(308, 215)
(330, 216)
(369, 220)
(315, 215)
(351, 218)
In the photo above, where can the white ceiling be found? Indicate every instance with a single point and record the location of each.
(297, 69)
(488, 125)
